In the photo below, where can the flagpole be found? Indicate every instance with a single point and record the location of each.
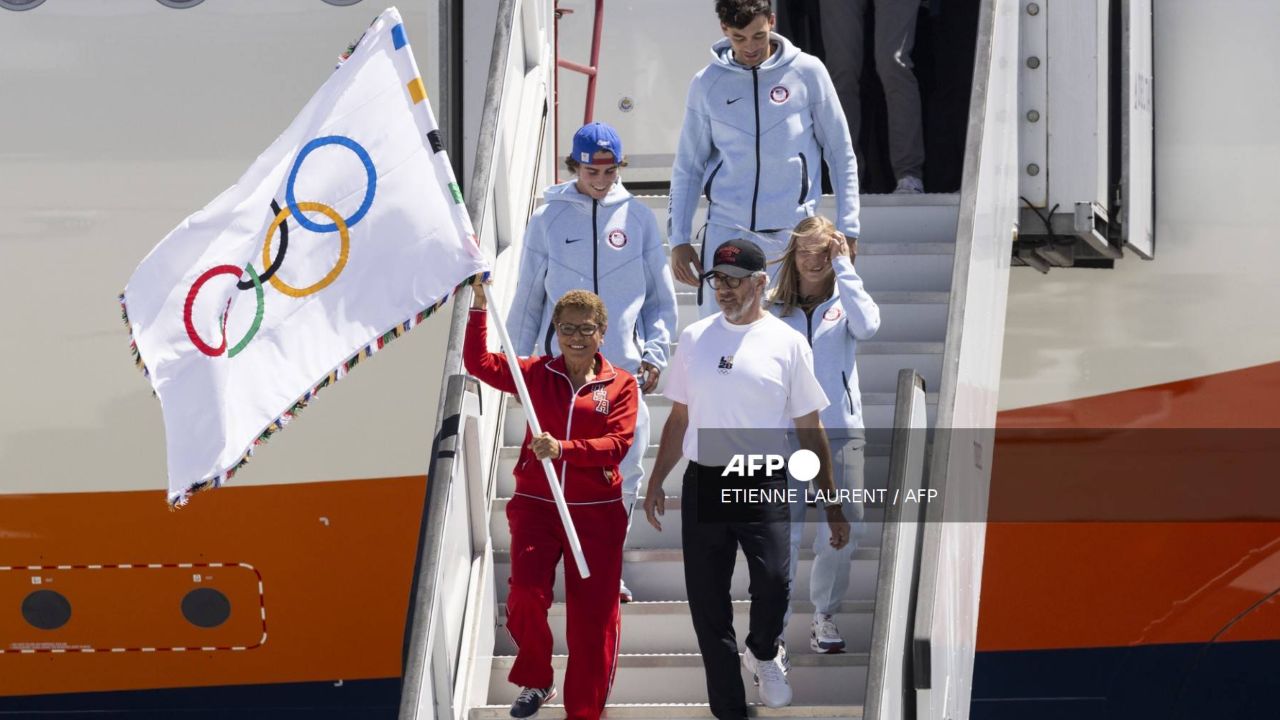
(556, 491)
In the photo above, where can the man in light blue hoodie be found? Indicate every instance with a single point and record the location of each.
(760, 120)
(592, 234)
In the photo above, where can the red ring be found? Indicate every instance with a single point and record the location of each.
(201, 345)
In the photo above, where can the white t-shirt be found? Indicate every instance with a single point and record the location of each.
(757, 376)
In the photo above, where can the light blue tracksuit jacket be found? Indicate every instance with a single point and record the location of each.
(753, 142)
(834, 329)
(612, 248)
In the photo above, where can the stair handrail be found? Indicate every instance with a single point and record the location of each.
(506, 171)
(954, 533)
(889, 684)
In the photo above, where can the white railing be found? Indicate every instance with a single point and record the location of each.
(451, 622)
(889, 676)
(946, 618)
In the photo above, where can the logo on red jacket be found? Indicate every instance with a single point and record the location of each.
(601, 398)
(779, 94)
(617, 239)
(833, 313)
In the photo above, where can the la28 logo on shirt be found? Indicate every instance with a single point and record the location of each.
(726, 364)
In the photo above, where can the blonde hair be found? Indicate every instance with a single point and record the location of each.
(786, 286)
(582, 300)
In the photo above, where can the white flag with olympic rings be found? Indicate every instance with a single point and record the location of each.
(347, 232)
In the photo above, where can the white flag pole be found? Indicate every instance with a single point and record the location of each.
(550, 471)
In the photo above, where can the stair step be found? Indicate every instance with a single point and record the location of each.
(884, 219)
(877, 412)
(877, 459)
(905, 266)
(905, 316)
(658, 573)
(666, 627)
(815, 679)
(678, 711)
(644, 535)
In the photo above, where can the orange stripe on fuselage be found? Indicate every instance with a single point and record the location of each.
(1079, 585)
(335, 561)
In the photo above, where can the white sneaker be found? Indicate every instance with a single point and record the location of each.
(771, 677)
(624, 593)
(909, 185)
(824, 636)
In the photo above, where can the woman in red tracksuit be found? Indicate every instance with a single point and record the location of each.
(587, 409)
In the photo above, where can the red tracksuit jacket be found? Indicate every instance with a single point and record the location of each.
(595, 426)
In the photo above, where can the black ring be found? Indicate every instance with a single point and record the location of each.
(275, 264)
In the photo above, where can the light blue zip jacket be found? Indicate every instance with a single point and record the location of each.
(753, 142)
(834, 329)
(612, 248)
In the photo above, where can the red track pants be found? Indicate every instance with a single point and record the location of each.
(593, 621)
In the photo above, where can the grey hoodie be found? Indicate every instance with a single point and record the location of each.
(612, 248)
(753, 141)
(834, 329)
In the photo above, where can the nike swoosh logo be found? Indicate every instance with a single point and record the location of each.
(567, 240)
(730, 102)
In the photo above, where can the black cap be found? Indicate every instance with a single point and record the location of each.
(737, 258)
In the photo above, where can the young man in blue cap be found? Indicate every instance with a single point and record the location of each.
(760, 120)
(592, 234)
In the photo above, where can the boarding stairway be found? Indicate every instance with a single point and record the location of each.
(909, 617)
(906, 257)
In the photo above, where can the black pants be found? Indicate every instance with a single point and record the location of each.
(710, 552)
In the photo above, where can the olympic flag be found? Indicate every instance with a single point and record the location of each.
(347, 232)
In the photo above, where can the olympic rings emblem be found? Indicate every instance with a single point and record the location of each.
(296, 210)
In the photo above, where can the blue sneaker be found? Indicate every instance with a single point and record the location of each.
(531, 701)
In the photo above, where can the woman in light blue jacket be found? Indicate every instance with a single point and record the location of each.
(592, 234)
(818, 292)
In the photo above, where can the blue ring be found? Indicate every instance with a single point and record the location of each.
(360, 152)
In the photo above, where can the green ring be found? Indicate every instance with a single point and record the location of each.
(257, 317)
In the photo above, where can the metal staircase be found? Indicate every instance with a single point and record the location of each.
(905, 257)
(937, 265)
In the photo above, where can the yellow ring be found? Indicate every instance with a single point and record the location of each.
(344, 250)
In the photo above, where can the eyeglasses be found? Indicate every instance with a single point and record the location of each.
(570, 329)
(718, 279)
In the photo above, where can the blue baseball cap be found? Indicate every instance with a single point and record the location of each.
(593, 138)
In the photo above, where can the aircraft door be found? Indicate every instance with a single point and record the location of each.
(1137, 156)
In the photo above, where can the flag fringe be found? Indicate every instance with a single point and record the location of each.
(177, 500)
(133, 344)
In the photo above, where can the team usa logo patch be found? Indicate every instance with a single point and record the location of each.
(601, 398)
(833, 313)
(726, 363)
(617, 239)
(779, 94)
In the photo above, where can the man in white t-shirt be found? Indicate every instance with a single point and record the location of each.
(742, 370)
